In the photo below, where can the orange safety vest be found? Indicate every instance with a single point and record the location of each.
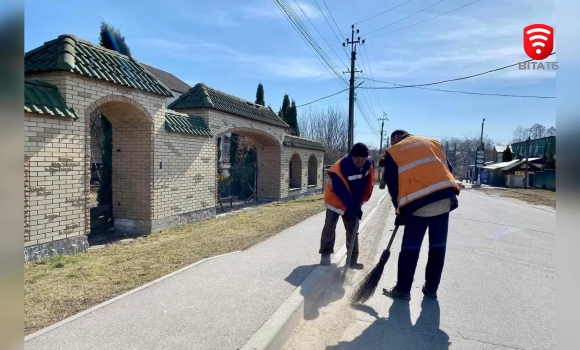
(331, 199)
(422, 168)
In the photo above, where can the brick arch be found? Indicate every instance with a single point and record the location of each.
(295, 170)
(312, 169)
(262, 137)
(132, 163)
(113, 104)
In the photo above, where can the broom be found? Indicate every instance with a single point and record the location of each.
(368, 286)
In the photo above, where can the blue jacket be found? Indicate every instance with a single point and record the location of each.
(357, 187)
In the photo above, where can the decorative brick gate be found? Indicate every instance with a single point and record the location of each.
(164, 160)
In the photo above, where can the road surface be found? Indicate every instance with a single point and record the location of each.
(498, 289)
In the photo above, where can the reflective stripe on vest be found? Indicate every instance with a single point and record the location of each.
(419, 162)
(336, 210)
(426, 190)
(358, 176)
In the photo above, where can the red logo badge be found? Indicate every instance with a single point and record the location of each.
(538, 41)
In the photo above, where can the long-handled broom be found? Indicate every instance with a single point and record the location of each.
(368, 286)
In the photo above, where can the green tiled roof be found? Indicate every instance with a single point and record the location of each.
(203, 96)
(44, 98)
(188, 125)
(69, 54)
(299, 142)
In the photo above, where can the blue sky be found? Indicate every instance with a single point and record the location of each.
(232, 45)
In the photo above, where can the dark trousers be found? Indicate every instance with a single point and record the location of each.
(329, 233)
(415, 229)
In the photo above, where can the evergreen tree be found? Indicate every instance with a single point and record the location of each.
(507, 155)
(105, 192)
(234, 149)
(285, 105)
(260, 95)
(291, 117)
(112, 39)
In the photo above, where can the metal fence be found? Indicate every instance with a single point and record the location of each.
(236, 185)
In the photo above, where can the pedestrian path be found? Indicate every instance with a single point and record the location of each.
(218, 304)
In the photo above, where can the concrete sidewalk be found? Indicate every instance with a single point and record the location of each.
(218, 304)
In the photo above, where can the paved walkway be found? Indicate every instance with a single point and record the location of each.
(218, 304)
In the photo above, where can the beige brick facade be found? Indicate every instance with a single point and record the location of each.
(160, 178)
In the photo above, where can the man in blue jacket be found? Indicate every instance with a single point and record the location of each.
(350, 185)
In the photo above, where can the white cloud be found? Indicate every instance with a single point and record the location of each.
(217, 53)
(484, 38)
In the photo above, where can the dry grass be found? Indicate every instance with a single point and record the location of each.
(533, 196)
(62, 286)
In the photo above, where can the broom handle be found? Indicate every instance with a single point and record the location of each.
(392, 238)
(352, 240)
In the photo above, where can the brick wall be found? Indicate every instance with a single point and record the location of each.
(311, 161)
(268, 139)
(185, 172)
(55, 189)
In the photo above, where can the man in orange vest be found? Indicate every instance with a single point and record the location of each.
(424, 191)
(349, 186)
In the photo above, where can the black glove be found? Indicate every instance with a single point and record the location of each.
(354, 212)
(399, 221)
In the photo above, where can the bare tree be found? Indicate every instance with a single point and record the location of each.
(536, 131)
(329, 127)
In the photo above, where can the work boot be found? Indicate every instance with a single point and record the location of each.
(325, 259)
(429, 294)
(393, 293)
(356, 265)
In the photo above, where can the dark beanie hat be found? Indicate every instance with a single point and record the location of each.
(359, 150)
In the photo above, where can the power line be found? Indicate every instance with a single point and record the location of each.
(322, 98)
(427, 20)
(305, 15)
(388, 25)
(448, 80)
(392, 8)
(305, 34)
(329, 102)
(475, 93)
(332, 29)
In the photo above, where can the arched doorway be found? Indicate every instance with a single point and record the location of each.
(248, 168)
(312, 171)
(126, 173)
(295, 172)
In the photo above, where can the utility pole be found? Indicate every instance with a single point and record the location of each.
(527, 164)
(480, 150)
(382, 120)
(352, 44)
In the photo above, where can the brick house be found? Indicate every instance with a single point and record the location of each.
(164, 168)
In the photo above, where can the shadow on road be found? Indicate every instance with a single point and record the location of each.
(332, 293)
(398, 332)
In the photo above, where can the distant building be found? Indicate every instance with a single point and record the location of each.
(537, 148)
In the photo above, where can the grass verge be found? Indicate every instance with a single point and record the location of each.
(529, 195)
(61, 286)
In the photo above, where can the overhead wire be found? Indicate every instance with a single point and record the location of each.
(449, 80)
(402, 19)
(305, 34)
(392, 8)
(427, 20)
(305, 15)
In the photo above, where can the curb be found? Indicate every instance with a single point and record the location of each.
(276, 331)
(110, 301)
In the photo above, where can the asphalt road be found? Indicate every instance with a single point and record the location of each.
(218, 304)
(498, 289)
